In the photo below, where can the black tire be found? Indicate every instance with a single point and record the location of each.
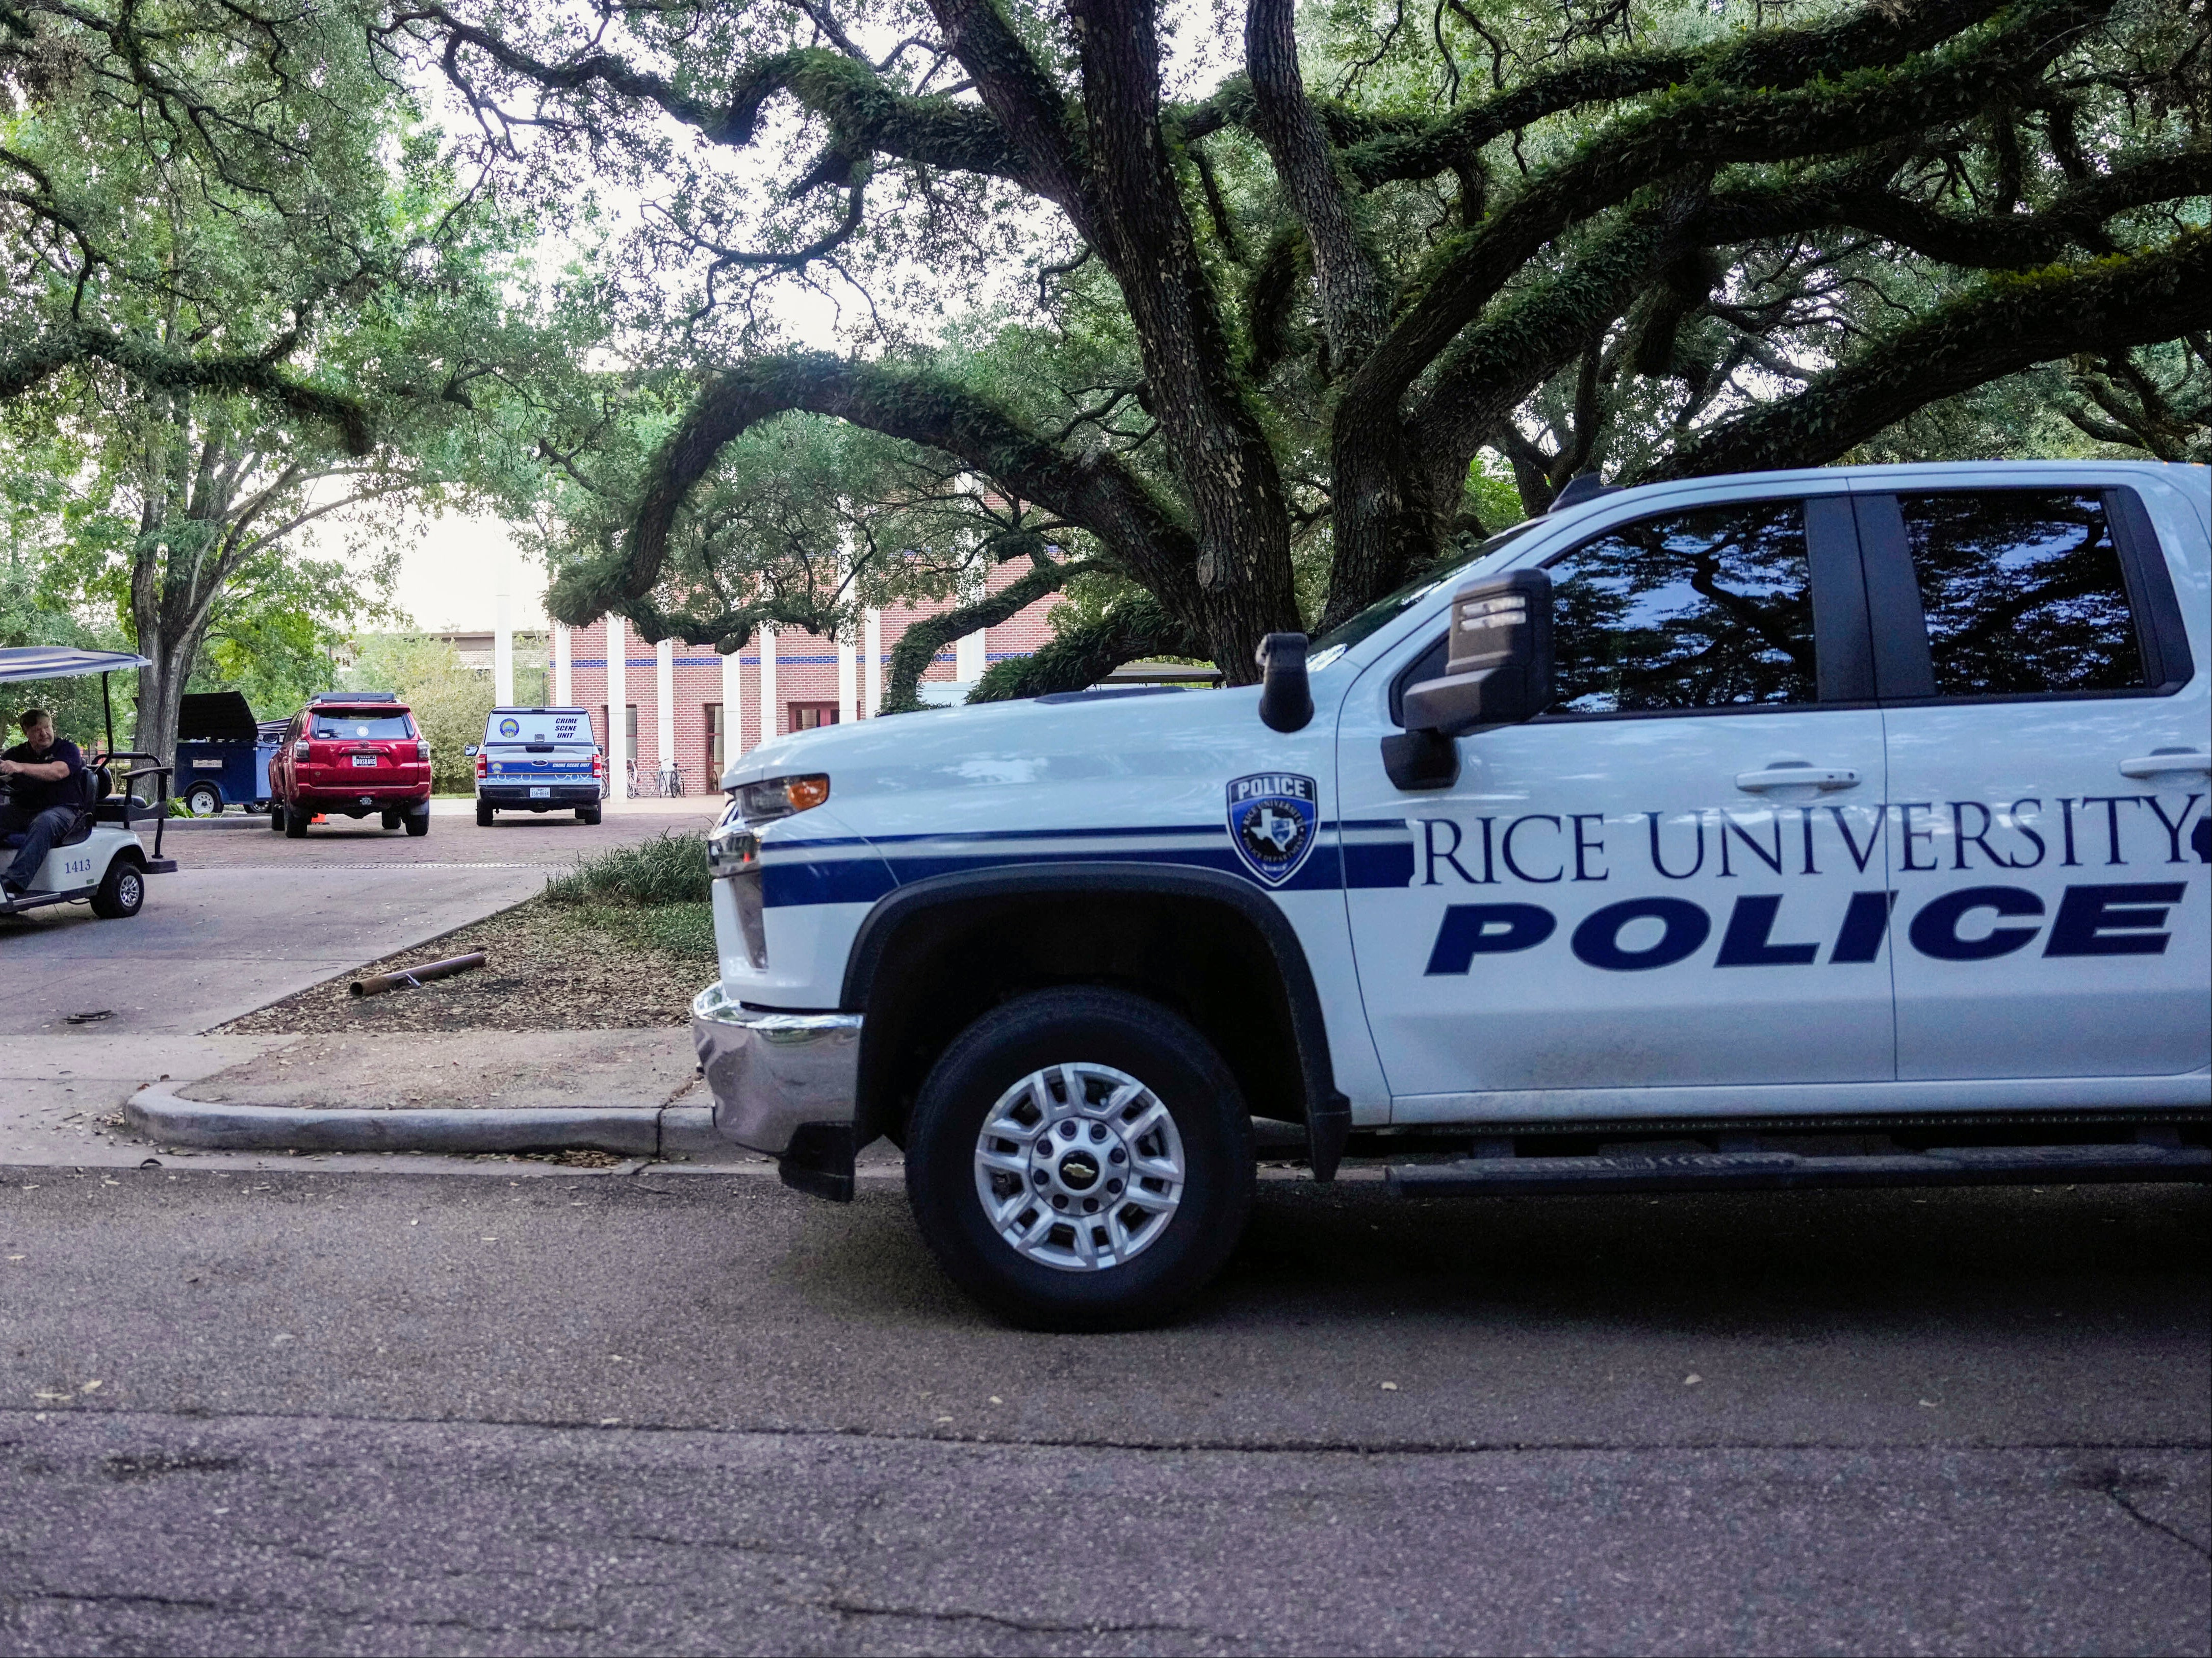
(483, 816)
(276, 816)
(295, 822)
(203, 800)
(122, 889)
(1096, 1027)
(418, 823)
(392, 820)
(587, 814)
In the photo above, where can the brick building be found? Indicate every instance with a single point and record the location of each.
(686, 704)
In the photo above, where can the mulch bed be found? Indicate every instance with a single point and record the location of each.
(549, 969)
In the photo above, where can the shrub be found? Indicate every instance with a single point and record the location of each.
(669, 869)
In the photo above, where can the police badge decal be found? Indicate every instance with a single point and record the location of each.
(1272, 819)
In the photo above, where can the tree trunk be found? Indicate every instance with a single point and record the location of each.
(1222, 455)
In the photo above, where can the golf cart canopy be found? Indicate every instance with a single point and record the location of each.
(21, 662)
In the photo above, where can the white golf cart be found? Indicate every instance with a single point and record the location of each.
(99, 861)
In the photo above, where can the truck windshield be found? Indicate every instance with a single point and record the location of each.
(342, 723)
(539, 726)
(1386, 610)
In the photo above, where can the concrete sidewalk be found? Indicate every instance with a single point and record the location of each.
(631, 1093)
(464, 1070)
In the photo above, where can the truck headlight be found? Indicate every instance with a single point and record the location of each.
(772, 797)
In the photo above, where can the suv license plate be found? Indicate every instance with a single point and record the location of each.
(541, 794)
(364, 760)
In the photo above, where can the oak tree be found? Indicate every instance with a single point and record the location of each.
(1285, 323)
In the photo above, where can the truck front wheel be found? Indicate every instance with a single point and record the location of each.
(1080, 1159)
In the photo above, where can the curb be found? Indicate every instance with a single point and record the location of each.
(657, 1132)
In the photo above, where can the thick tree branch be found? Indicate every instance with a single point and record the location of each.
(863, 113)
(1774, 58)
(2007, 324)
(1706, 126)
(1353, 300)
(27, 366)
(1134, 629)
(1027, 106)
(1139, 536)
(919, 644)
(2074, 217)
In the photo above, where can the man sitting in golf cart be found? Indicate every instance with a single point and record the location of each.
(46, 791)
(68, 833)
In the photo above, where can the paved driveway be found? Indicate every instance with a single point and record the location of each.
(248, 918)
(251, 916)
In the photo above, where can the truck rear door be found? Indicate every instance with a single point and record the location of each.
(2047, 727)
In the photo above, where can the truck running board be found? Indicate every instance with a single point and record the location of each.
(1776, 1171)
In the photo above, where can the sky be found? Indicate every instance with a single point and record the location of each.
(451, 573)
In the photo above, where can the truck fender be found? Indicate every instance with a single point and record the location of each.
(1328, 1112)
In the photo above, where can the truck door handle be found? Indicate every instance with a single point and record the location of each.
(2167, 762)
(1794, 774)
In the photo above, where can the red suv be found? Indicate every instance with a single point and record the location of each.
(351, 752)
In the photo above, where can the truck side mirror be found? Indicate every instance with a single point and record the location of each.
(1498, 672)
(1286, 700)
(469, 751)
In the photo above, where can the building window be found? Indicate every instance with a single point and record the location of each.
(715, 749)
(812, 716)
(630, 729)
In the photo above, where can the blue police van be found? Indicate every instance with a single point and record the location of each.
(539, 759)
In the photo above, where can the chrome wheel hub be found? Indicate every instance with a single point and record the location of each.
(1079, 1167)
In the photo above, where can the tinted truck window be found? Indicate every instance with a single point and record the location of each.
(1706, 609)
(539, 726)
(346, 723)
(2023, 593)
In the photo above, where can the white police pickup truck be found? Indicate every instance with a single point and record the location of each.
(1837, 827)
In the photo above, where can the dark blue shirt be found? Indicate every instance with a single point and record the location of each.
(34, 793)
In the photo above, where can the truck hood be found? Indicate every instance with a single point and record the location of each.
(1117, 768)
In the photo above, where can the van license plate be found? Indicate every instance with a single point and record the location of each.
(364, 760)
(541, 794)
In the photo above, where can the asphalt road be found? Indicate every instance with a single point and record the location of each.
(696, 1412)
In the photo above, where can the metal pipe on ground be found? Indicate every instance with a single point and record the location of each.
(409, 978)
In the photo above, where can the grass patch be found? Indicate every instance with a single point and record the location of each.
(670, 869)
(653, 894)
(682, 929)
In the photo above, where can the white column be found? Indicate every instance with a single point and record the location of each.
(769, 708)
(733, 708)
(872, 647)
(969, 659)
(969, 652)
(849, 704)
(664, 696)
(564, 681)
(502, 647)
(617, 702)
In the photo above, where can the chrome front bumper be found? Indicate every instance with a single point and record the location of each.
(772, 1074)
